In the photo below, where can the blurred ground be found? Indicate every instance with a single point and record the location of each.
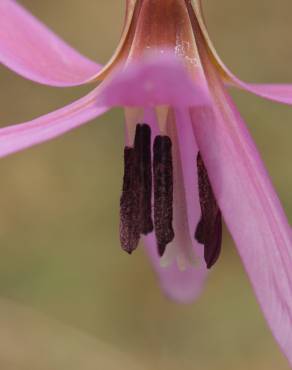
(60, 253)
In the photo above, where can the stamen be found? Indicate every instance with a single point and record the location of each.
(132, 116)
(162, 112)
(129, 203)
(143, 149)
(135, 204)
(209, 229)
(163, 192)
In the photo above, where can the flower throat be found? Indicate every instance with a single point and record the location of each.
(142, 174)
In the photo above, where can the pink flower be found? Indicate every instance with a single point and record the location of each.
(188, 156)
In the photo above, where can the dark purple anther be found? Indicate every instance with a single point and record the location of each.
(209, 229)
(135, 204)
(142, 147)
(163, 192)
(129, 203)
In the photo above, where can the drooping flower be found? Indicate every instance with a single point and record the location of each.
(189, 159)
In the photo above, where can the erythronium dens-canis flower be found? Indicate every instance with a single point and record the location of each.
(189, 159)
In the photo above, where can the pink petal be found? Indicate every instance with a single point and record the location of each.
(154, 80)
(250, 207)
(29, 48)
(182, 285)
(281, 93)
(17, 137)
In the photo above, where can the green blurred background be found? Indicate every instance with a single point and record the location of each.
(71, 299)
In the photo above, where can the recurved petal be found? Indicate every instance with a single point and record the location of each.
(30, 49)
(20, 136)
(250, 207)
(281, 93)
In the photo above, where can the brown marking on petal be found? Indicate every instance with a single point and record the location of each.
(209, 229)
(152, 25)
(142, 147)
(129, 203)
(165, 25)
(163, 192)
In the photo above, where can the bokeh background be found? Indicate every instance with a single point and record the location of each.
(70, 299)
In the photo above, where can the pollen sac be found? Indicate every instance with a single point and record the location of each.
(129, 203)
(135, 203)
(209, 229)
(142, 147)
(163, 192)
